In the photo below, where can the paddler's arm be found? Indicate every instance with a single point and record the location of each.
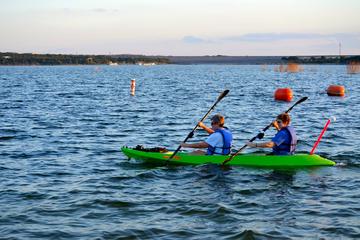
(195, 145)
(269, 144)
(207, 129)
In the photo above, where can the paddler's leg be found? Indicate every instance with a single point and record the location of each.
(198, 152)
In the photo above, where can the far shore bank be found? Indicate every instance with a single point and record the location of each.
(8, 59)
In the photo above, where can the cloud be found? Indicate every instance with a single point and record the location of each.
(266, 37)
(100, 10)
(272, 37)
(92, 10)
(193, 40)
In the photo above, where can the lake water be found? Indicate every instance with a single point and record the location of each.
(63, 175)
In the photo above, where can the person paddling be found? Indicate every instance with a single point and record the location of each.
(220, 139)
(285, 140)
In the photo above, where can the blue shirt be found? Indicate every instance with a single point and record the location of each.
(219, 142)
(215, 140)
(282, 142)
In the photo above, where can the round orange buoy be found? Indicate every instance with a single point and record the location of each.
(336, 90)
(132, 87)
(283, 94)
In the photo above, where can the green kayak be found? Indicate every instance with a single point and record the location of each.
(250, 160)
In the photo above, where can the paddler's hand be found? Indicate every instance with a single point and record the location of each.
(251, 144)
(207, 129)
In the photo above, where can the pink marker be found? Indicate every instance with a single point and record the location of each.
(321, 134)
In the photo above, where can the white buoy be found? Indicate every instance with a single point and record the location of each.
(132, 87)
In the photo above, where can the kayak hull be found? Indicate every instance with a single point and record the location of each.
(249, 160)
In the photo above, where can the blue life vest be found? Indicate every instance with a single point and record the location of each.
(227, 140)
(288, 147)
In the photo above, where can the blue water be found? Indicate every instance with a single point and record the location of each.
(63, 175)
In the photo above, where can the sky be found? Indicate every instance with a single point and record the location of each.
(181, 27)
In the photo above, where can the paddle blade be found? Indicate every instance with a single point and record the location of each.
(223, 94)
(301, 100)
(298, 102)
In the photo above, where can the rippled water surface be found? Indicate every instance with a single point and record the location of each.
(63, 175)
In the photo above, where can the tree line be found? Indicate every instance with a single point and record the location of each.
(8, 58)
(321, 59)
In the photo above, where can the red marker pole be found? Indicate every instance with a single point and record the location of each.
(321, 134)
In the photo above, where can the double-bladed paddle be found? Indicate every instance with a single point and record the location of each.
(261, 134)
(191, 134)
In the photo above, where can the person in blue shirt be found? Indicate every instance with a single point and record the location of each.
(285, 140)
(220, 139)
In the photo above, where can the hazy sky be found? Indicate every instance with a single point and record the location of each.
(181, 27)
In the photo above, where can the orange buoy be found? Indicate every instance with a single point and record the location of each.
(336, 90)
(283, 94)
(132, 87)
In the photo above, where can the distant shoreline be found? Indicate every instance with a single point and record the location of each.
(24, 59)
(263, 60)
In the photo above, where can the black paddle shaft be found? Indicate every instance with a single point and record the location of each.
(191, 134)
(261, 134)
